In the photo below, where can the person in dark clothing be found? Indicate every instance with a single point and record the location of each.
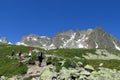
(30, 53)
(12, 53)
(40, 58)
(19, 54)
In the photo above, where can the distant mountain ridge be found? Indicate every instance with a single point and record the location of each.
(91, 38)
(4, 40)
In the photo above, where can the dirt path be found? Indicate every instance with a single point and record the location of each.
(35, 70)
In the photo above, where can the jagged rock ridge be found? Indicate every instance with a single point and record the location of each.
(91, 38)
(4, 40)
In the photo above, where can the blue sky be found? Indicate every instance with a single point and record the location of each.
(48, 17)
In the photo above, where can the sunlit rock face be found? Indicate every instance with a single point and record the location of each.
(4, 40)
(91, 38)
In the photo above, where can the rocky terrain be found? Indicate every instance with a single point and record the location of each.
(89, 54)
(56, 67)
(4, 40)
(78, 72)
(91, 38)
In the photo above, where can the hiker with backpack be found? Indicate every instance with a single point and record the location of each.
(20, 54)
(12, 53)
(30, 52)
(40, 57)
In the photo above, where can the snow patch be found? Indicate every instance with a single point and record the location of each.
(62, 39)
(80, 46)
(82, 40)
(28, 38)
(86, 38)
(49, 47)
(96, 45)
(34, 39)
(45, 37)
(9, 43)
(79, 40)
(61, 47)
(72, 37)
(117, 47)
(52, 45)
(21, 43)
(0, 40)
(44, 44)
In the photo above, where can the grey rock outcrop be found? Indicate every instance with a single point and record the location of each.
(100, 39)
(4, 40)
(34, 40)
(91, 38)
(84, 72)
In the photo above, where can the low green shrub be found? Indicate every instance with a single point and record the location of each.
(71, 53)
(10, 66)
(49, 61)
(54, 61)
(112, 64)
(26, 79)
(68, 63)
(31, 61)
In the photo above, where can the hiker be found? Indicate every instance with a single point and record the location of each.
(12, 53)
(40, 57)
(19, 54)
(30, 52)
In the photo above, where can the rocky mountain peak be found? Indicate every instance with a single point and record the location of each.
(3, 40)
(91, 38)
(99, 28)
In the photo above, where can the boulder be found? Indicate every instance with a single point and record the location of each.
(89, 67)
(82, 77)
(105, 74)
(46, 75)
(85, 73)
(67, 73)
(3, 78)
(80, 64)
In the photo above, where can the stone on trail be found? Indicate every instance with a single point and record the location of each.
(89, 67)
(46, 75)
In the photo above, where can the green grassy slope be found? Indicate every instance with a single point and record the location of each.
(70, 54)
(12, 66)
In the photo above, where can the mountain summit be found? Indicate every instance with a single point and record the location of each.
(4, 40)
(91, 38)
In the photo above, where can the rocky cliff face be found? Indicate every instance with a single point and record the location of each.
(91, 38)
(4, 40)
(100, 39)
(34, 40)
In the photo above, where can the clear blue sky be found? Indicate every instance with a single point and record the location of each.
(48, 17)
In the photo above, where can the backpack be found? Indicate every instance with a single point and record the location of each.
(40, 54)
